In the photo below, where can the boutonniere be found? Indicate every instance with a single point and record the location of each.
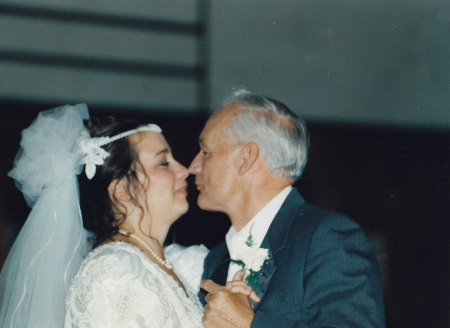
(252, 259)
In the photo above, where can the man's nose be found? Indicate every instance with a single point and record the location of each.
(195, 166)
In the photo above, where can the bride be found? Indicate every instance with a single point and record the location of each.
(121, 207)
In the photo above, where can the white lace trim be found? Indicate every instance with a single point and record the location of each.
(119, 286)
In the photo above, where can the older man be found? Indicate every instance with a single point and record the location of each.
(319, 270)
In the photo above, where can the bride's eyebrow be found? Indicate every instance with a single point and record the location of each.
(162, 152)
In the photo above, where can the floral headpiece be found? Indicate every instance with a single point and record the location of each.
(94, 154)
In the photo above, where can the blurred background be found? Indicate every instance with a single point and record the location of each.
(371, 78)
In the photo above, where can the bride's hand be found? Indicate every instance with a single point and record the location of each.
(239, 286)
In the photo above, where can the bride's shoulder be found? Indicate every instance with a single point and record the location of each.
(182, 255)
(179, 250)
(188, 263)
(111, 257)
(111, 250)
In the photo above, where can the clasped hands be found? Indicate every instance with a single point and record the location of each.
(229, 306)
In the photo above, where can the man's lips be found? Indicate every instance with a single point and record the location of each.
(198, 184)
(183, 190)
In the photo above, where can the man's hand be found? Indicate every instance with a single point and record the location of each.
(228, 307)
(239, 286)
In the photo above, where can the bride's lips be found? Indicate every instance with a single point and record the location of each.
(183, 190)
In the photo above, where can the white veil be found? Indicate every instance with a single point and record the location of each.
(48, 250)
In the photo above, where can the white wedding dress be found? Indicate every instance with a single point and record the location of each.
(119, 286)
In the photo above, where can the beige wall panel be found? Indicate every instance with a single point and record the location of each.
(183, 10)
(43, 36)
(376, 62)
(106, 89)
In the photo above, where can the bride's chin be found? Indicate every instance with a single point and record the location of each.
(182, 210)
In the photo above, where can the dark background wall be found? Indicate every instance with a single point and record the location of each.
(371, 78)
(394, 181)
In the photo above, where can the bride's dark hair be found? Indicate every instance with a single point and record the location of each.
(101, 215)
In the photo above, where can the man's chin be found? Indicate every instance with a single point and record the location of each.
(204, 204)
(201, 204)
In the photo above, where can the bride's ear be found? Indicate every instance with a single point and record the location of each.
(118, 190)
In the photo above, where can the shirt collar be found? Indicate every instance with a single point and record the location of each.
(258, 225)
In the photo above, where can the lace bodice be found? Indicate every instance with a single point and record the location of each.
(119, 286)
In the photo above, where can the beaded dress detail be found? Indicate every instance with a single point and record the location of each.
(119, 286)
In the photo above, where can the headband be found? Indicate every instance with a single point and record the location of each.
(94, 154)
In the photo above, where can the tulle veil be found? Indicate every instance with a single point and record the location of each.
(50, 246)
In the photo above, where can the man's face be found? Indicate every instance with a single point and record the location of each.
(215, 166)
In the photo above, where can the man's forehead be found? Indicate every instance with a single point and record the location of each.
(218, 122)
(229, 110)
(223, 116)
(208, 132)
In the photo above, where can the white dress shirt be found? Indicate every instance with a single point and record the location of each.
(258, 227)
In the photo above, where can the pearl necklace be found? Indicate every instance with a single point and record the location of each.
(144, 244)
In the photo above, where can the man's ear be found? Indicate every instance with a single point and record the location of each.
(118, 190)
(249, 154)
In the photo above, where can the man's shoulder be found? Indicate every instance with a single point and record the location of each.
(297, 205)
(315, 217)
(320, 214)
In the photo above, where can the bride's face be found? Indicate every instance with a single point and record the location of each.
(162, 178)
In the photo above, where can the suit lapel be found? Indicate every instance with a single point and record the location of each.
(276, 237)
(278, 232)
(221, 272)
(264, 280)
(217, 268)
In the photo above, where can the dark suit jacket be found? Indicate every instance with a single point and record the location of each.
(323, 272)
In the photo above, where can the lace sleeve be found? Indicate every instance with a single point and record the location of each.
(114, 290)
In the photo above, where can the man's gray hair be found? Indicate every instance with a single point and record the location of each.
(279, 133)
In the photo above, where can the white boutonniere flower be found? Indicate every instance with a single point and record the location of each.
(252, 259)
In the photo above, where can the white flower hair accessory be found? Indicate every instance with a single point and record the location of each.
(92, 152)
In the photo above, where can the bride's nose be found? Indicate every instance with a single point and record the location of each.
(182, 171)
